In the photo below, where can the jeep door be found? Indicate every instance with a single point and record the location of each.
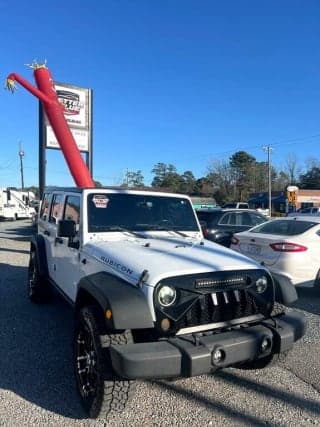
(47, 228)
(67, 274)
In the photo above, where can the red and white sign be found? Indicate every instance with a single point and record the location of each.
(77, 112)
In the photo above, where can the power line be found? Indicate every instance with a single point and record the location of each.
(283, 142)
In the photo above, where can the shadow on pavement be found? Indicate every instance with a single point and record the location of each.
(36, 351)
(308, 300)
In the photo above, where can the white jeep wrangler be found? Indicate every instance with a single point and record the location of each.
(152, 298)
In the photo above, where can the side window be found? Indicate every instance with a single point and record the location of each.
(245, 219)
(72, 209)
(56, 207)
(205, 219)
(228, 219)
(44, 211)
(255, 219)
(201, 216)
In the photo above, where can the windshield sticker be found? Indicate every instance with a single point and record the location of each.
(100, 200)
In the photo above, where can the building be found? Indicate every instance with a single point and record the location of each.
(282, 204)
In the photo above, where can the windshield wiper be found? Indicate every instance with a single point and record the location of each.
(123, 229)
(162, 228)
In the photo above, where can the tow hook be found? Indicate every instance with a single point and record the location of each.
(196, 339)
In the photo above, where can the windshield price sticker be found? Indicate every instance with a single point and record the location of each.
(100, 200)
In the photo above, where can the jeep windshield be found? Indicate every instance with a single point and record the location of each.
(109, 212)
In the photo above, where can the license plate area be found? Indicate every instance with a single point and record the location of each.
(253, 249)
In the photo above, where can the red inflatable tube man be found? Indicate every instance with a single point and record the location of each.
(54, 110)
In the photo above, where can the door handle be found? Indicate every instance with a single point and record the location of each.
(46, 232)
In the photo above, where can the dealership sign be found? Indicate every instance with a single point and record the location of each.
(77, 112)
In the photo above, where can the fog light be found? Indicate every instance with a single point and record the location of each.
(108, 314)
(165, 324)
(218, 356)
(265, 344)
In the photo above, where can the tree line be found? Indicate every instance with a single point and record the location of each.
(232, 179)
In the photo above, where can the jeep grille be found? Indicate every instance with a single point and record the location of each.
(219, 307)
(230, 296)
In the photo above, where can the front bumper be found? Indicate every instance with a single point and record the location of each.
(191, 355)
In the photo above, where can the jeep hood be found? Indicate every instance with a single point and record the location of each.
(165, 257)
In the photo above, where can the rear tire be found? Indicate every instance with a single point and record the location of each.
(38, 288)
(100, 390)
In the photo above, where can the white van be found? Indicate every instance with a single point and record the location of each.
(15, 204)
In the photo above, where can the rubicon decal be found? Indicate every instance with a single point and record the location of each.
(70, 101)
(116, 265)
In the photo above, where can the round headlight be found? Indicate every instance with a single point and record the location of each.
(167, 295)
(261, 284)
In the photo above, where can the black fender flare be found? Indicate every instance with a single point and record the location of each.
(285, 293)
(128, 304)
(37, 244)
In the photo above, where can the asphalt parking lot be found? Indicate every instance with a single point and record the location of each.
(36, 376)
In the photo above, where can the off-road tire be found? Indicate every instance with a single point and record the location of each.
(100, 390)
(38, 287)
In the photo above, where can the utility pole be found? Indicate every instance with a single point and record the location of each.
(268, 149)
(21, 154)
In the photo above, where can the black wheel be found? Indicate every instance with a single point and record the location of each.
(99, 388)
(38, 289)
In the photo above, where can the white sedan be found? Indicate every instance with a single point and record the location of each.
(289, 247)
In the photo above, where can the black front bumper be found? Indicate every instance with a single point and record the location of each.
(191, 355)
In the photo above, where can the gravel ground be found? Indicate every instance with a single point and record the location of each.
(37, 386)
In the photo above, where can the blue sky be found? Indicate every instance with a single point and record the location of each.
(181, 82)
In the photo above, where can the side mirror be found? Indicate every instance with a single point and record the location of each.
(66, 228)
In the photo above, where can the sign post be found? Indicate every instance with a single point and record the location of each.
(292, 194)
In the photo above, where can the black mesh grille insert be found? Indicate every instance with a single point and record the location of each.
(219, 307)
